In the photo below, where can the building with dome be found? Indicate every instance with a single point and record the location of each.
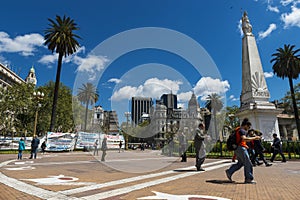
(167, 120)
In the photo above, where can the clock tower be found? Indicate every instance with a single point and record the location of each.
(31, 78)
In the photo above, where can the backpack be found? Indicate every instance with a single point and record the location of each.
(231, 141)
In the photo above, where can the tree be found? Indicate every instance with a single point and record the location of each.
(231, 119)
(287, 65)
(214, 105)
(88, 95)
(24, 107)
(286, 101)
(59, 37)
(64, 113)
(78, 111)
(17, 108)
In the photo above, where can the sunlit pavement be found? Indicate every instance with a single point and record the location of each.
(139, 175)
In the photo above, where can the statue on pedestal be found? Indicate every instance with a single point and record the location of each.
(246, 26)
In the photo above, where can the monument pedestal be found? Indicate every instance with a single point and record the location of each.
(263, 117)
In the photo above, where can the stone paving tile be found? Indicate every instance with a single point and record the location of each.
(7, 193)
(280, 181)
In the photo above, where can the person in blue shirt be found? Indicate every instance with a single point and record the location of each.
(21, 148)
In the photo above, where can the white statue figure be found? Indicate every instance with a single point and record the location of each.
(246, 26)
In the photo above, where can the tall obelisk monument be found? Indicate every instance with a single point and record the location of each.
(255, 95)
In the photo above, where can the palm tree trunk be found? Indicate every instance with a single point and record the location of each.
(216, 127)
(295, 106)
(86, 114)
(56, 88)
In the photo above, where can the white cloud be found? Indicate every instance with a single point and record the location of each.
(273, 8)
(268, 74)
(184, 97)
(125, 92)
(52, 58)
(80, 50)
(207, 85)
(74, 57)
(4, 61)
(25, 45)
(291, 19)
(155, 87)
(271, 28)
(233, 98)
(114, 80)
(91, 63)
(286, 2)
(240, 28)
(152, 87)
(47, 59)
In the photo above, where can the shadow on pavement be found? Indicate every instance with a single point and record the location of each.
(222, 182)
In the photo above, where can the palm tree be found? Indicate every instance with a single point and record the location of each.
(59, 37)
(87, 95)
(231, 119)
(214, 105)
(287, 103)
(287, 65)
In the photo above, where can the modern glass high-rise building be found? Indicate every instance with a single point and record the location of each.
(170, 101)
(140, 106)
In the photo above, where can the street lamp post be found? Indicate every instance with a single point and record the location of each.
(127, 115)
(38, 96)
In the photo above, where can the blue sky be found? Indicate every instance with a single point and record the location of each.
(123, 66)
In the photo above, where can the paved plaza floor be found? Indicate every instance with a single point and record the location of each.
(139, 175)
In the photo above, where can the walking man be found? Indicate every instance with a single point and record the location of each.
(120, 146)
(34, 147)
(200, 146)
(182, 146)
(277, 148)
(43, 146)
(242, 153)
(96, 147)
(104, 148)
(259, 150)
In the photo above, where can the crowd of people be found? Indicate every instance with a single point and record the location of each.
(249, 150)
